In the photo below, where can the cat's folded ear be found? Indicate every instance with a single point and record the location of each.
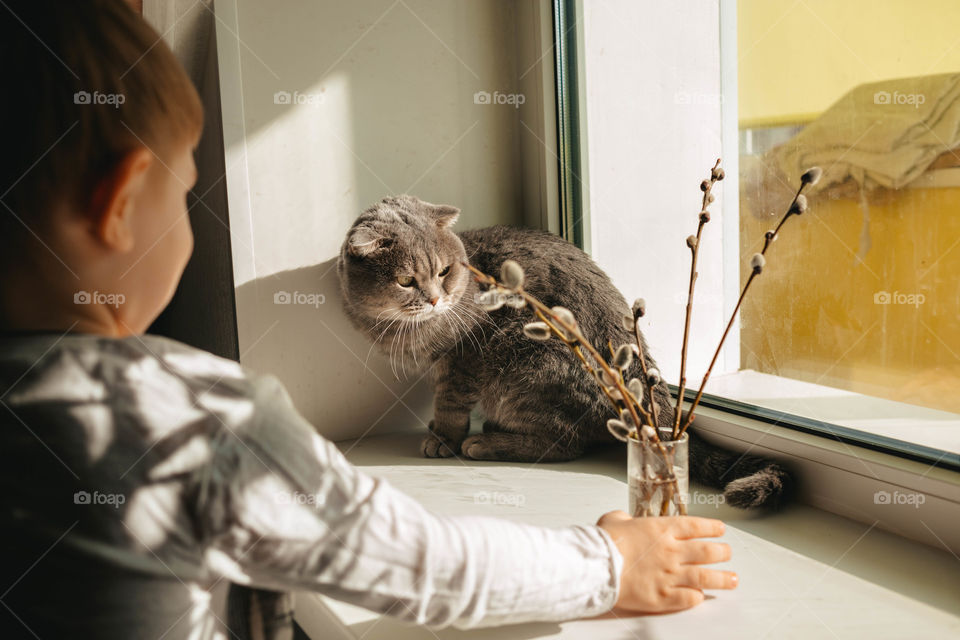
(445, 215)
(363, 241)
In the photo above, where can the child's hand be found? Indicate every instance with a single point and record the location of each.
(662, 558)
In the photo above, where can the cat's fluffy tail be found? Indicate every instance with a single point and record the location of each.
(748, 482)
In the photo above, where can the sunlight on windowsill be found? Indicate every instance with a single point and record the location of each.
(878, 416)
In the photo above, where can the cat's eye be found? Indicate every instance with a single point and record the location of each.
(444, 271)
(405, 281)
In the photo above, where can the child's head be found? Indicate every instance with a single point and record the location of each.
(100, 122)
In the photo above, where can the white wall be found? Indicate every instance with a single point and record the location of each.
(389, 108)
(653, 97)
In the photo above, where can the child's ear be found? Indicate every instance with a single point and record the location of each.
(114, 199)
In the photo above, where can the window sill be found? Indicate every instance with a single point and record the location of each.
(873, 416)
(802, 569)
(908, 498)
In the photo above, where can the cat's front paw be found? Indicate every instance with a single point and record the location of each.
(478, 447)
(432, 446)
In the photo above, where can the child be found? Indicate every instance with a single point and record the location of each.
(142, 476)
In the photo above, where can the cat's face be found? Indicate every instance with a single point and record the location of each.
(402, 262)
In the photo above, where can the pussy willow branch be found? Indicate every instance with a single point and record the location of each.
(646, 379)
(768, 240)
(542, 310)
(694, 252)
(630, 403)
(573, 345)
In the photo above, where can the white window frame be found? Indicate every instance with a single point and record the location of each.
(835, 474)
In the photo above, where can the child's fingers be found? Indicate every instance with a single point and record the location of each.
(701, 578)
(693, 527)
(682, 598)
(703, 552)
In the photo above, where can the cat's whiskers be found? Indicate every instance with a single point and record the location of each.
(402, 348)
(394, 317)
(394, 313)
(432, 334)
(429, 332)
(482, 318)
(454, 319)
(393, 345)
(417, 328)
(384, 312)
(467, 333)
(399, 343)
(478, 318)
(412, 331)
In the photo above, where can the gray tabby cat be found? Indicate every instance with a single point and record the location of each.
(404, 286)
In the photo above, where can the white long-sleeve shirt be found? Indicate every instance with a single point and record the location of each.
(140, 476)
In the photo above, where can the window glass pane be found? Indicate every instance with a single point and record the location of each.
(856, 318)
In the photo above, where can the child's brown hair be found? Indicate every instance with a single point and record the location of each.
(87, 81)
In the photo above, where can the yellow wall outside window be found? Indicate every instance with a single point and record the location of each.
(796, 57)
(816, 315)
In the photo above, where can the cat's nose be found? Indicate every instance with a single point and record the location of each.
(434, 300)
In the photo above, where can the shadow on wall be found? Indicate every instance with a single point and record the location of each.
(342, 385)
(349, 102)
(329, 107)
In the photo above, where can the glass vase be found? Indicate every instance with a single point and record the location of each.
(658, 476)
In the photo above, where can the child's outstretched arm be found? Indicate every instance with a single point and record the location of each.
(280, 507)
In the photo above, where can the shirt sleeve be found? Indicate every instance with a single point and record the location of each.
(281, 508)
